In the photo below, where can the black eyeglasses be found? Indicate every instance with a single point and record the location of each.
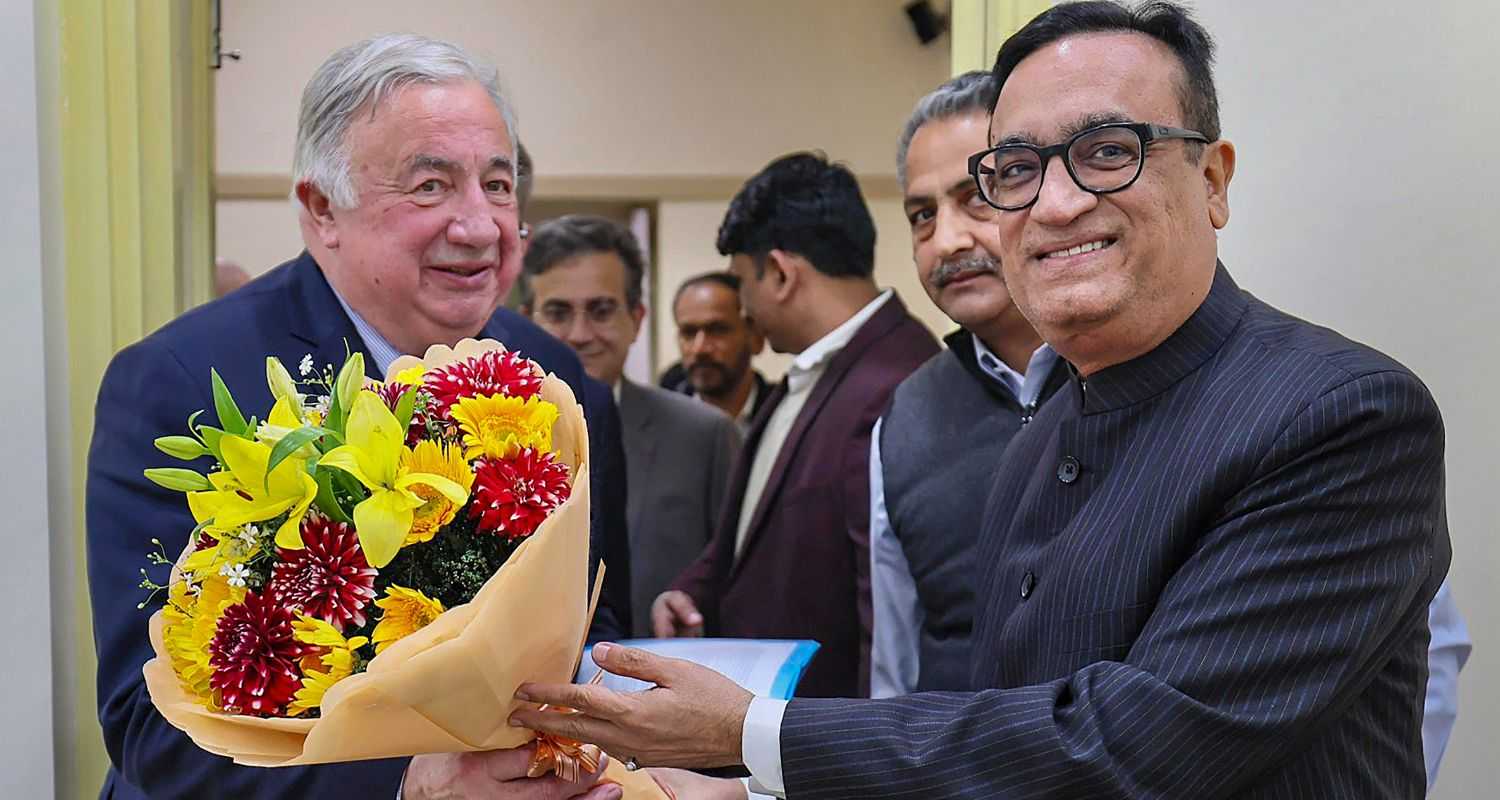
(1100, 160)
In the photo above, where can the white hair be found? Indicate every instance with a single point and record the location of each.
(358, 78)
(969, 93)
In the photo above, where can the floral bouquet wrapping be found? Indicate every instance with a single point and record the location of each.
(377, 567)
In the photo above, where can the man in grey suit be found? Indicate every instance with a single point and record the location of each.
(581, 281)
(1206, 563)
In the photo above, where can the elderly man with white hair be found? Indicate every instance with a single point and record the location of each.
(405, 175)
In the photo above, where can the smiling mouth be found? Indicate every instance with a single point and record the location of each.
(1080, 249)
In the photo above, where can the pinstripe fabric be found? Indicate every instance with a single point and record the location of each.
(1227, 598)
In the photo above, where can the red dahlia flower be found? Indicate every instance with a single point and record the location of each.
(254, 655)
(329, 577)
(490, 373)
(512, 496)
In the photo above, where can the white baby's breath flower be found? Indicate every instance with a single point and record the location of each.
(250, 535)
(236, 573)
(305, 367)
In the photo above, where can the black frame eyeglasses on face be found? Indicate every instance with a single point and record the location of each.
(1103, 159)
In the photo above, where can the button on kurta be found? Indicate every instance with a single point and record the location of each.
(1067, 470)
(1028, 584)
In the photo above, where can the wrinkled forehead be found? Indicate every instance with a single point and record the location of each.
(1080, 81)
(447, 127)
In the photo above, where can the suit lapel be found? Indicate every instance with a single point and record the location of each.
(316, 318)
(637, 418)
(889, 316)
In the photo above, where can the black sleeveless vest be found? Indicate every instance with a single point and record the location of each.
(947, 427)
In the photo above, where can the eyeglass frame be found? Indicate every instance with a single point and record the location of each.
(1147, 132)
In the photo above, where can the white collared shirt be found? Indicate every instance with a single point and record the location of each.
(804, 372)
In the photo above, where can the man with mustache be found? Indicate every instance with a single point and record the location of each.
(717, 342)
(954, 416)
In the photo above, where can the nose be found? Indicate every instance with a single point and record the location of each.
(474, 225)
(1060, 200)
(951, 233)
(578, 330)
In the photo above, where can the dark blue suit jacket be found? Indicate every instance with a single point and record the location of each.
(1203, 573)
(149, 390)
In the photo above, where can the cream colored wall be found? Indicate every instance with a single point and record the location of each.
(1363, 200)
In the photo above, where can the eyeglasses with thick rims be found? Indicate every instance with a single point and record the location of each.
(1103, 159)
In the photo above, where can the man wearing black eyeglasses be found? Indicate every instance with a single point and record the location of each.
(1219, 540)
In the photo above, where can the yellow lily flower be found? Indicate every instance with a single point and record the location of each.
(243, 492)
(375, 453)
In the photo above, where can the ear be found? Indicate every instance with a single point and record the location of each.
(1218, 170)
(757, 339)
(637, 314)
(784, 272)
(319, 213)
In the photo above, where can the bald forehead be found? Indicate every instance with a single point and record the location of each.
(1088, 79)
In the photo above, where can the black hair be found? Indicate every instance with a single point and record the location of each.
(1168, 23)
(806, 205)
(558, 240)
(728, 280)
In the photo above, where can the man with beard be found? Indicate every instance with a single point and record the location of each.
(953, 417)
(717, 342)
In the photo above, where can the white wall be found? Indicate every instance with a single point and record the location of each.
(25, 597)
(1363, 200)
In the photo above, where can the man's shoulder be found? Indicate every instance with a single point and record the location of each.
(1302, 353)
(682, 412)
(221, 331)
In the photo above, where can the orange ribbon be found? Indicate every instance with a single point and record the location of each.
(569, 759)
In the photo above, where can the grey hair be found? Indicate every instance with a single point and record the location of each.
(969, 93)
(358, 78)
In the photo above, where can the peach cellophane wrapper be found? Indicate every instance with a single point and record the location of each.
(448, 687)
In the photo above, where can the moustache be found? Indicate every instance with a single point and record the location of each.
(970, 263)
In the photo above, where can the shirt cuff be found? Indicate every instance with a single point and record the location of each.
(760, 743)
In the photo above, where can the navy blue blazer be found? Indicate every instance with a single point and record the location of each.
(149, 390)
(1202, 573)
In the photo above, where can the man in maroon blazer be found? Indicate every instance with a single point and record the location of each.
(790, 558)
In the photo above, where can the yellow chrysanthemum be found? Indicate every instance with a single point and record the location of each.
(406, 612)
(497, 426)
(437, 509)
(189, 622)
(337, 660)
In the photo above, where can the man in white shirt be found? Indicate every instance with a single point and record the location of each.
(791, 559)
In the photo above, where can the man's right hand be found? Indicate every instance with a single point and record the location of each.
(497, 774)
(675, 615)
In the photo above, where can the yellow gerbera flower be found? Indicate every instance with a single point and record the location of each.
(190, 620)
(497, 425)
(337, 661)
(437, 509)
(406, 612)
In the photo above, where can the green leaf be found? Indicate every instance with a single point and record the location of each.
(326, 501)
(289, 444)
(179, 480)
(230, 417)
(405, 407)
(184, 447)
(211, 437)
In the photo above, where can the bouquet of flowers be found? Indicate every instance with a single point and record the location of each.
(377, 566)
